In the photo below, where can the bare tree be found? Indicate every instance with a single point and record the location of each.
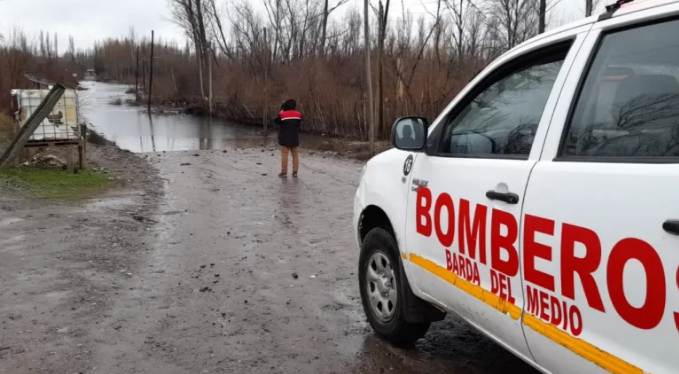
(368, 77)
(513, 21)
(71, 47)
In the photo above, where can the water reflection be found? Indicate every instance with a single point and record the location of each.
(138, 132)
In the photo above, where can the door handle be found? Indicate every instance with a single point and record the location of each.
(671, 226)
(507, 197)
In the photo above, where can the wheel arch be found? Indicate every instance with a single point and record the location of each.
(372, 217)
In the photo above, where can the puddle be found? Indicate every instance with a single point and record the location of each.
(138, 132)
(112, 202)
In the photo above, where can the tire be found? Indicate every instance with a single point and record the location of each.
(379, 277)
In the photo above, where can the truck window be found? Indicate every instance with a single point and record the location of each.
(634, 113)
(502, 119)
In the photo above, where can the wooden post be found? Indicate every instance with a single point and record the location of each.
(136, 79)
(368, 77)
(210, 75)
(380, 93)
(70, 163)
(143, 76)
(83, 146)
(21, 138)
(151, 73)
(266, 67)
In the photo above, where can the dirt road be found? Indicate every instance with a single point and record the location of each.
(199, 279)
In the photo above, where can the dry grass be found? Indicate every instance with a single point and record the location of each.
(6, 127)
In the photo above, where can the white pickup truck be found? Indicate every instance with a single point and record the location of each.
(542, 205)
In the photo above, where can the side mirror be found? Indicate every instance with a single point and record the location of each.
(410, 133)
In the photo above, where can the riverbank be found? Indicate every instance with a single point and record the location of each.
(326, 142)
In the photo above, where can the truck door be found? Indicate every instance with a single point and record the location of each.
(467, 191)
(600, 244)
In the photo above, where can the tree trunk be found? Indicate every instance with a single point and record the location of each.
(368, 77)
(325, 27)
(588, 8)
(264, 93)
(199, 61)
(151, 73)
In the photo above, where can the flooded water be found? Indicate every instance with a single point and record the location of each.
(136, 131)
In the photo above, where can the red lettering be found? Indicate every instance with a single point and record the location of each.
(463, 269)
(650, 314)
(554, 311)
(494, 282)
(544, 307)
(470, 236)
(585, 266)
(422, 211)
(476, 278)
(449, 261)
(456, 265)
(503, 286)
(532, 300)
(444, 201)
(557, 314)
(509, 296)
(498, 242)
(532, 249)
(574, 312)
(469, 268)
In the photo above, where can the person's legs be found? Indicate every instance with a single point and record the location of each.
(284, 160)
(295, 160)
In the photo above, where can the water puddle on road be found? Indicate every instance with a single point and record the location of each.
(138, 132)
(111, 202)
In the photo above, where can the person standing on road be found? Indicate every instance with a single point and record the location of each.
(289, 121)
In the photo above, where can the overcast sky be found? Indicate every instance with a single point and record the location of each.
(91, 20)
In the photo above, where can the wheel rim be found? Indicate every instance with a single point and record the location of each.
(381, 286)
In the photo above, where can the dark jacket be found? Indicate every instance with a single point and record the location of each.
(289, 121)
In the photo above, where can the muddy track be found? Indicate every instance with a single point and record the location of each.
(210, 286)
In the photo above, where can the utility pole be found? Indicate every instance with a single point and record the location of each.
(210, 75)
(368, 77)
(136, 79)
(151, 73)
(543, 15)
(142, 81)
(380, 93)
(266, 67)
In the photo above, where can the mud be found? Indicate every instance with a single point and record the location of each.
(193, 270)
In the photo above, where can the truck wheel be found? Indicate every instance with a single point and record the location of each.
(379, 279)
